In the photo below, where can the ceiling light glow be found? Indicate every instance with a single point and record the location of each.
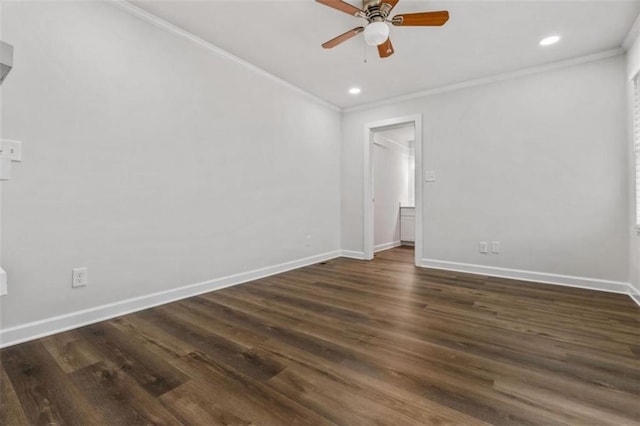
(376, 33)
(548, 41)
(355, 91)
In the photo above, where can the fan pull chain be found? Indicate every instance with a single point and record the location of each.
(364, 45)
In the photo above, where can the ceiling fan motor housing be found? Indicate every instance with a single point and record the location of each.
(374, 10)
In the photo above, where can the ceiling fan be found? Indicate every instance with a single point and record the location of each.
(376, 32)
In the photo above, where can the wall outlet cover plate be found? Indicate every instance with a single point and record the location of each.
(79, 277)
(11, 149)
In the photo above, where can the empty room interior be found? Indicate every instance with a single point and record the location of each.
(359, 212)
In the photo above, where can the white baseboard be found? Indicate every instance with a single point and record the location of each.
(539, 277)
(634, 294)
(386, 246)
(49, 326)
(352, 254)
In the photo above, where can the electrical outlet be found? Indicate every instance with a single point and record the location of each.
(11, 149)
(79, 277)
(429, 176)
(495, 247)
(484, 247)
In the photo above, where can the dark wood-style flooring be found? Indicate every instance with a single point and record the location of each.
(343, 342)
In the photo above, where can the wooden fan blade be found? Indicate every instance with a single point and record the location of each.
(425, 19)
(385, 49)
(342, 7)
(387, 6)
(342, 38)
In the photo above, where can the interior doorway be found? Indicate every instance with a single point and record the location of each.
(393, 188)
(393, 192)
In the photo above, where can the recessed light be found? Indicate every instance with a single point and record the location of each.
(355, 91)
(548, 41)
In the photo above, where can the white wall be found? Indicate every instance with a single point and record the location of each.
(390, 188)
(152, 161)
(537, 162)
(633, 67)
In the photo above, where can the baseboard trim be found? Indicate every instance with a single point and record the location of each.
(386, 246)
(538, 277)
(352, 254)
(634, 295)
(46, 327)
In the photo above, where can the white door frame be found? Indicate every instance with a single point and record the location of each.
(416, 120)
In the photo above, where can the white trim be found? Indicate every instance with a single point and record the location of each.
(491, 79)
(633, 33)
(386, 246)
(177, 31)
(48, 326)
(367, 215)
(634, 295)
(351, 254)
(418, 187)
(537, 277)
(367, 198)
(161, 23)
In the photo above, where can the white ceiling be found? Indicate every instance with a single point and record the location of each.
(482, 38)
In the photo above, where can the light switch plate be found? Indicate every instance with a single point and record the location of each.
(483, 247)
(495, 247)
(429, 176)
(11, 149)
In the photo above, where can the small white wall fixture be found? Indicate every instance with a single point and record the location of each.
(10, 151)
(369, 129)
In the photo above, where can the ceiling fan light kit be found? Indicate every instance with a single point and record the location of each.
(376, 31)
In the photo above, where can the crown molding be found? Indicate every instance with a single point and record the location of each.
(184, 34)
(491, 79)
(179, 32)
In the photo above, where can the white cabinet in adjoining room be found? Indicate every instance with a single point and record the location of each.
(407, 224)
